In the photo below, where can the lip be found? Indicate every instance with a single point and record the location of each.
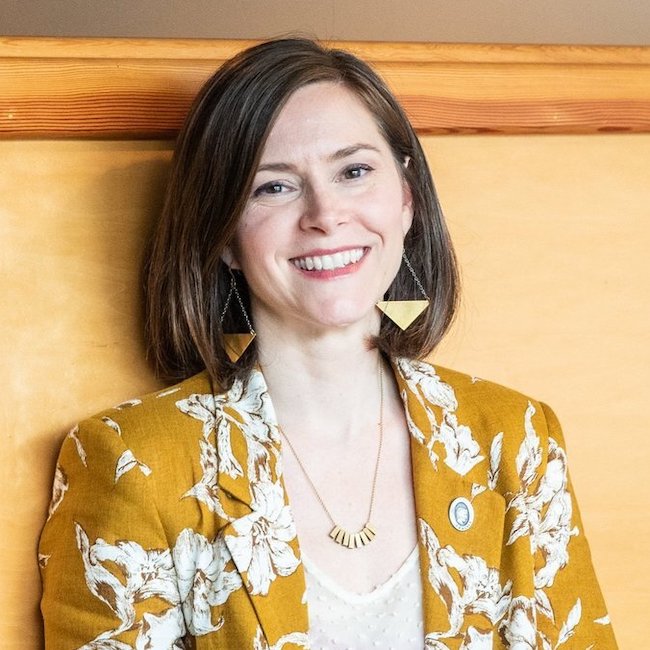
(327, 274)
(319, 252)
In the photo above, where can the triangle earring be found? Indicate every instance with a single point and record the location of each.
(404, 312)
(236, 344)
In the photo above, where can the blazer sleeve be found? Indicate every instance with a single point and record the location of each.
(571, 611)
(107, 570)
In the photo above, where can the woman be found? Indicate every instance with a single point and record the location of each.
(300, 273)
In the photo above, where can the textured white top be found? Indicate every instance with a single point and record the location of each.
(389, 617)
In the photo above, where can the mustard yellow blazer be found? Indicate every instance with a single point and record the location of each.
(170, 525)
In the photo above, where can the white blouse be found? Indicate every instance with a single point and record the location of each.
(388, 617)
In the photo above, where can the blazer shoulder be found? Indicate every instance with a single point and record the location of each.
(474, 387)
(158, 414)
(488, 406)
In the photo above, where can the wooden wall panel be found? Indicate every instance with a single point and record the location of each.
(136, 89)
(552, 234)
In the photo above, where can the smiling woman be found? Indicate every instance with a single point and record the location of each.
(312, 481)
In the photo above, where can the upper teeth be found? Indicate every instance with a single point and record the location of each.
(329, 262)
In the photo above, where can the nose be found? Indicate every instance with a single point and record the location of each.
(323, 209)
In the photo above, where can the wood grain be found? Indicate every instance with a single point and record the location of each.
(142, 88)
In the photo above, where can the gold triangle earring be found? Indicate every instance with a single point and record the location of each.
(236, 344)
(404, 312)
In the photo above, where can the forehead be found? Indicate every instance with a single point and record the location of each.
(320, 118)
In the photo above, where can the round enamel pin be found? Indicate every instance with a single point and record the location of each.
(461, 514)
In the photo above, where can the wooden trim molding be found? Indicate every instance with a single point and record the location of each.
(142, 88)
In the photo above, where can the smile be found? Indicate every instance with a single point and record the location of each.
(329, 262)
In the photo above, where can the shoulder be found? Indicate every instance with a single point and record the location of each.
(474, 387)
(461, 406)
(175, 429)
(488, 401)
(151, 432)
(466, 393)
(141, 456)
(158, 415)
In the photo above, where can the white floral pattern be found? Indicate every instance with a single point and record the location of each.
(244, 407)
(466, 585)
(110, 422)
(126, 462)
(477, 640)
(207, 488)
(146, 574)
(462, 451)
(261, 547)
(203, 579)
(59, 488)
(519, 628)
(296, 638)
(544, 514)
(129, 403)
(569, 626)
(80, 448)
(495, 461)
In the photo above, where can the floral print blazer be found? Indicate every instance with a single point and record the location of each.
(170, 526)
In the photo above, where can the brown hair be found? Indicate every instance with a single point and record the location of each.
(214, 163)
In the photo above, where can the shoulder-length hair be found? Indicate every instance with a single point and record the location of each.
(214, 163)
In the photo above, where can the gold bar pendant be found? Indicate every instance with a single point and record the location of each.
(352, 540)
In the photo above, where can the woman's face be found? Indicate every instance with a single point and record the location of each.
(322, 235)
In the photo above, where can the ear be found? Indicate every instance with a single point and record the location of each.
(228, 258)
(407, 206)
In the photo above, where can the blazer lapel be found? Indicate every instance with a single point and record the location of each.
(261, 534)
(459, 521)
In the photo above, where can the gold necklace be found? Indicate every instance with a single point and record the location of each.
(339, 534)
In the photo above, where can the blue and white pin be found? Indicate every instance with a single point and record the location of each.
(461, 514)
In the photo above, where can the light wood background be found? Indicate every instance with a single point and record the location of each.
(553, 233)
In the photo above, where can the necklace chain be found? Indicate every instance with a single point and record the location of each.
(338, 533)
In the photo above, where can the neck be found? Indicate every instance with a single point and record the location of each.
(330, 382)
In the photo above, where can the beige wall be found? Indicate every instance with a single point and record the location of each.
(606, 22)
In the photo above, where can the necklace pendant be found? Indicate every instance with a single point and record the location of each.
(353, 540)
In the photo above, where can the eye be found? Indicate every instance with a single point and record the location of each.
(356, 171)
(271, 188)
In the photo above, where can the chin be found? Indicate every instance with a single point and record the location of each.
(346, 315)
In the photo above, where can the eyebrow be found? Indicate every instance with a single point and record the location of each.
(340, 154)
(351, 150)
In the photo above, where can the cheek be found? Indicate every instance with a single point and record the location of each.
(249, 233)
(395, 214)
(258, 240)
(241, 247)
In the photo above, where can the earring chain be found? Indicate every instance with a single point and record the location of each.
(415, 277)
(233, 287)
